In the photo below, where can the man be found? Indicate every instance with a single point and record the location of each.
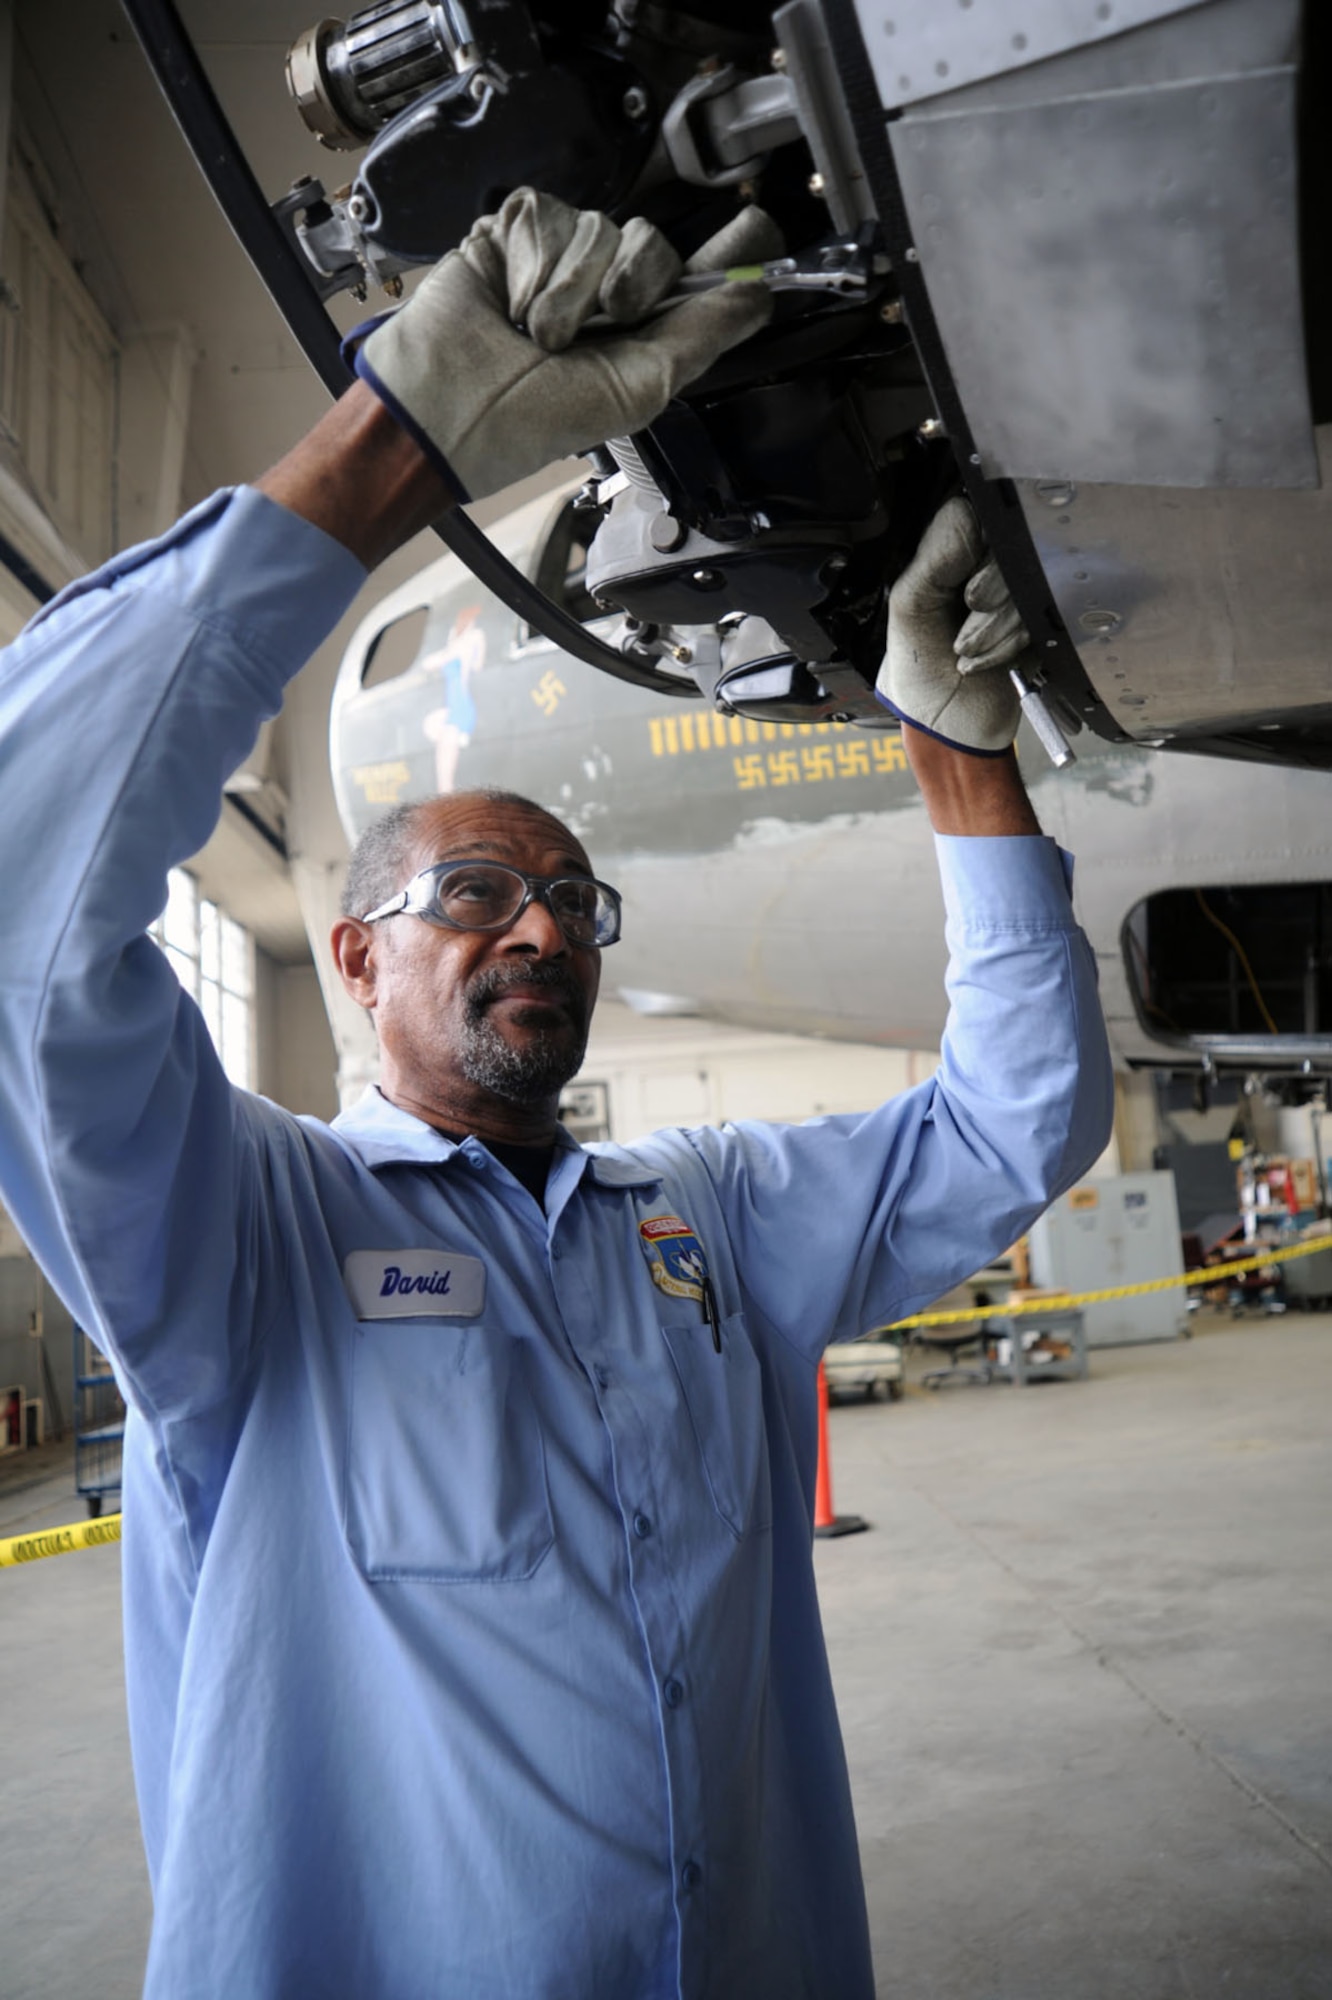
(471, 1636)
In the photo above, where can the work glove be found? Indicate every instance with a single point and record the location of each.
(953, 632)
(483, 364)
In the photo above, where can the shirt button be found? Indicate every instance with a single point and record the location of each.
(642, 1526)
(691, 1875)
(673, 1691)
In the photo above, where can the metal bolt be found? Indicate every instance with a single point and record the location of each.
(634, 103)
(1056, 492)
(603, 604)
(707, 579)
(911, 254)
(759, 522)
(1051, 644)
(779, 58)
(815, 184)
(358, 208)
(975, 458)
(931, 428)
(666, 533)
(393, 286)
(684, 654)
(1100, 622)
(890, 312)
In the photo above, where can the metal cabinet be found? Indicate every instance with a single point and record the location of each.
(1119, 1231)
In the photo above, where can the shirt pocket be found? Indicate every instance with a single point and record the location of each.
(446, 1464)
(724, 1394)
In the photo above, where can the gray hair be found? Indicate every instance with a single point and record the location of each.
(381, 857)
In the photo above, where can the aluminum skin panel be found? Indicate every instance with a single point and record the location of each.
(1116, 280)
(1193, 611)
(920, 48)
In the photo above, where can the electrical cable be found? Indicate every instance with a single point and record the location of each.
(1243, 958)
(203, 124)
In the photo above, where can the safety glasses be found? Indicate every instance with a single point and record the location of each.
(488, 896)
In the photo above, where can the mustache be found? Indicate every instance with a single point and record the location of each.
(536, 976)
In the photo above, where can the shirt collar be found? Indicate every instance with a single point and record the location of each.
(384, 1136)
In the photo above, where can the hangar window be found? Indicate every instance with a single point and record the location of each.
(57, 376)
(213, 958)
(1254, 961)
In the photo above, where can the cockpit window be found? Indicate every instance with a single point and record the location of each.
(394, 649)
(559, 566)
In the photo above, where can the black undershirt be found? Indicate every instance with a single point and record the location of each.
(529, 1165)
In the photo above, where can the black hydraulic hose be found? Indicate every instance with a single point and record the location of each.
(204, 127)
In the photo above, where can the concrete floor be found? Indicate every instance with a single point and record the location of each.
(1084, 1662)
(1084, 1659)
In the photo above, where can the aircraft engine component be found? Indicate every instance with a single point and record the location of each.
(458, 114)
(349, 78)
(788, 500)
(796, 479)
(1093, 268)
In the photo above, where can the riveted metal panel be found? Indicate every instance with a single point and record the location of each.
(919, 48)
(1192, 611)
(1116, 281)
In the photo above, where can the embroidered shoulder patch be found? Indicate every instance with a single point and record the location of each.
(675, 1256)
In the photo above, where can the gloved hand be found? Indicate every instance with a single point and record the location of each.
(945, 672)
(496, 402)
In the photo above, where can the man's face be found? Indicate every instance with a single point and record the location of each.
(505, 1013)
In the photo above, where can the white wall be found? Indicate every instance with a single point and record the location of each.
(689, 1071)
(307, 1061)
(297, 1062)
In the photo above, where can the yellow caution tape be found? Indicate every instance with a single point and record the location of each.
(1063, 1301)
(59, 1541)
(92, 1534)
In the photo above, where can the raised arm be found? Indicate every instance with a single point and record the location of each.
(142, 1181)
(847, 1222)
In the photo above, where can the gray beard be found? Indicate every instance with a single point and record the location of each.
(529, 1076)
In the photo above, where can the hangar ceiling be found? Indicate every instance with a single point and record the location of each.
(129, 209)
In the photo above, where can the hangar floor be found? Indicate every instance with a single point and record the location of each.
(1084, 1660)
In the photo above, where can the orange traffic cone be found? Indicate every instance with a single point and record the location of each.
(826, 1523)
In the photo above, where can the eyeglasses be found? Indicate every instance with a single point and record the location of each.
(487, 896)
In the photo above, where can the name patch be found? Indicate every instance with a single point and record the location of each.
(414, 1284)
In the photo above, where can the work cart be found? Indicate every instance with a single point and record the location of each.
(99, 1427)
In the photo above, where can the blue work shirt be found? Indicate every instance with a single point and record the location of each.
(473, 1650)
